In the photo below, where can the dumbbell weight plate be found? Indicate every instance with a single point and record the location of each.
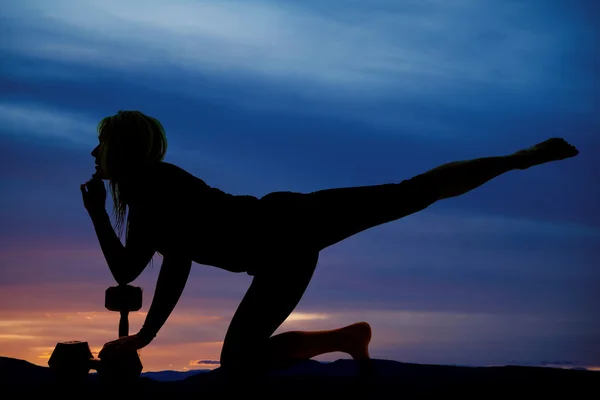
(126, 368)
(70, 361)
(123, 298)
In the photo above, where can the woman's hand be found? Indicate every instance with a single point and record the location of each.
(121, 346)
(94, 195)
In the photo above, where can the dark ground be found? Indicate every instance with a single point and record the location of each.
(391, 379)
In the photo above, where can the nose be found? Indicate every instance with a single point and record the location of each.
(94, 152)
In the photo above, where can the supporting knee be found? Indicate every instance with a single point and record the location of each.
(247, 362)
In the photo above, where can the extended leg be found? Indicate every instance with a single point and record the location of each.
(336, 214)
(457, 178)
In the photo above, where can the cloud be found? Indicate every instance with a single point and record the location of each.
(42, 142)
(461, 233)
(206, 362)
(408, 69)
(48, 123)
(555, 364)
(374, 50)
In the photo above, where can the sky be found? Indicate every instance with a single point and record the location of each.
(262, 96)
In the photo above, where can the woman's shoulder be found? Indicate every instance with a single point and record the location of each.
(163, 167)
(172, 181)
(175, 175)
(160, 187)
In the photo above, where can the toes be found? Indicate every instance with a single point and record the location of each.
(575, 151)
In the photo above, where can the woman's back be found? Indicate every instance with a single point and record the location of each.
(195, 219)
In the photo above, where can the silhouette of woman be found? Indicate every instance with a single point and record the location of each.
(276, 238)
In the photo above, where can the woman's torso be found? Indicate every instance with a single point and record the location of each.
(203, 223)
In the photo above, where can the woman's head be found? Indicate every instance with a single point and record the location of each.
(129, 142)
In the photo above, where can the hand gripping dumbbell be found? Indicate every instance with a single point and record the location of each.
(71, 361)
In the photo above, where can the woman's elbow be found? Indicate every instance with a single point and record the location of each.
(124, 277)
(129, 272)
(124, 280)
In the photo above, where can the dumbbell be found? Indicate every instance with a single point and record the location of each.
(71, 361)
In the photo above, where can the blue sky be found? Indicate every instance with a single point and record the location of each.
(265, 96)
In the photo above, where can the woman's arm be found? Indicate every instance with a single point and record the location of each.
(125, 262)
(172, 278)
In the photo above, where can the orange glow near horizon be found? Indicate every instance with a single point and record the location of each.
(32, 337)
(192, 337)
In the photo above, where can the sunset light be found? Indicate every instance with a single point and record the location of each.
(296, 97)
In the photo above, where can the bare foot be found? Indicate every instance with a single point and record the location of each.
(356, 338)
(554, 149)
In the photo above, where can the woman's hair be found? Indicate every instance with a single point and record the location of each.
(129, 141)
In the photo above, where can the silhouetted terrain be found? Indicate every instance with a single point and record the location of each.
(392, 379)
(169, 376)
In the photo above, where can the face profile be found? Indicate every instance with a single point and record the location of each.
(97, 154)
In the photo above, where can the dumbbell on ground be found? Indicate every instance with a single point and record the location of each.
(71, 361)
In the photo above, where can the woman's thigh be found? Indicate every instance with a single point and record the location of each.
(320, 219)
(270, 299)
(285, 223)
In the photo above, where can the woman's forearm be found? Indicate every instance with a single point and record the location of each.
(172, 278)
(113, 249)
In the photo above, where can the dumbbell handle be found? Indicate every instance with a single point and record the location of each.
(95, 363)
(124, 324)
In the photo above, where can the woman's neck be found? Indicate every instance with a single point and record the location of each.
(133, 186)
